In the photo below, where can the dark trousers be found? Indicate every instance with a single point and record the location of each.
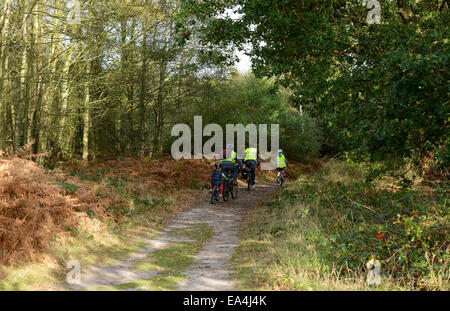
(252, 165)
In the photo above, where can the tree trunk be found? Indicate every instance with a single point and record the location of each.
(86, 114)
(65, 92)
(17, 113)
(159, 118)
(49, 90)
(4, 23)
(143, 95)
(36, 56)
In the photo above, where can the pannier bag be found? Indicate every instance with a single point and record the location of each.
(245, 173)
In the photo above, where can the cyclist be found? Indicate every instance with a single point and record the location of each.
(281, 163)
(217, 178)
(238, 163)
(251, 160)
(229, 161)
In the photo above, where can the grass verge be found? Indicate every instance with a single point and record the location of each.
(319, 233)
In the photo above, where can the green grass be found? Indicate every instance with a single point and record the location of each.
(106, 247)
(30, 275)
(319, 233)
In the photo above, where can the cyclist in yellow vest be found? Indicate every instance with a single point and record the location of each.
(281, 163)
(251, 160)
(229, 161)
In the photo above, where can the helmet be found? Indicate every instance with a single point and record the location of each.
(217, 165)
(280, 151)
(230, 146)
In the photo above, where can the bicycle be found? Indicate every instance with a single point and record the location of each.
(246, 174)
(229, 187)
(215, 194)
(226, 187)
(281, 179)
(233, 187)
(246, 177)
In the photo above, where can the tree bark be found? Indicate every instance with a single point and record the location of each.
(4, 23)
(50, 90)
(65, 92)
(86, 114)
(17, 112)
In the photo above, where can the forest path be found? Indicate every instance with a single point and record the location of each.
(210, 268)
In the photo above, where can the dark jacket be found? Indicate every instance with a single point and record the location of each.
(216, 178)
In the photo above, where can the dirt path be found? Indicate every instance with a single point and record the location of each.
(211, 268)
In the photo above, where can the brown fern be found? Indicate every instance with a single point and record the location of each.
(26, 150)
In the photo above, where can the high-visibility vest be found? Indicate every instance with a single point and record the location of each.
(281, 161)
(251, 154)
(232, 159)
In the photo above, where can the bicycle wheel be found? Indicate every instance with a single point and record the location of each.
(234, 191)
(249, 183)
(225, 192)
(215, 195)
(281, 180)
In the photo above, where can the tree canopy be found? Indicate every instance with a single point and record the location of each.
(380, 90)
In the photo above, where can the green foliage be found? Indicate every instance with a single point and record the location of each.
(146, 204)
(300, 136)
(91, 214)
(320, 232)
(380, 91)
(406, 230)
(245, 99)
(119, 209)
(70, 189)
(117, 182)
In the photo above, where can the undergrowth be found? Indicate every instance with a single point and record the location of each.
(321, 231)
(96, 213)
